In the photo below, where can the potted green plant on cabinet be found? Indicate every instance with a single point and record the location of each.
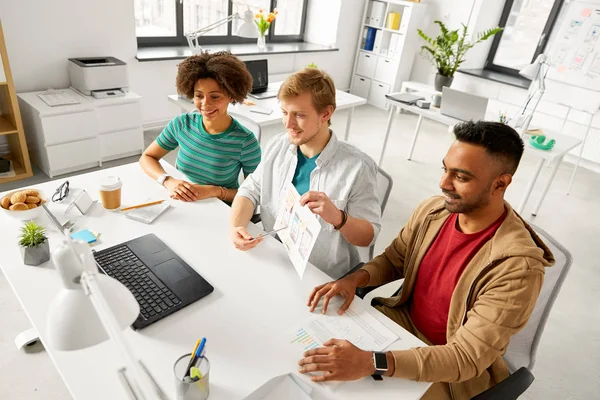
(34, 244)
(447, 50)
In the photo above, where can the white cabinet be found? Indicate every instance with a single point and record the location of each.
(377, 94)
(361, 86)
(70, 138)
(386, 69)
(386, 49)
(366, 64)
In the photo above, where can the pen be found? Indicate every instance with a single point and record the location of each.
(269, 233)
(197, 354)
(142, 205)
(190, 364)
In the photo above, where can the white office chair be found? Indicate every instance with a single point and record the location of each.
(257, 132)
(521, 351)
(383, 188)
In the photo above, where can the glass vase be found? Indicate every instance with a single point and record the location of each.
(260, 42)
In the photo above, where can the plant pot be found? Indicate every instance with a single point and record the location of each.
(36, 255)
(441, 81)
(260, 42)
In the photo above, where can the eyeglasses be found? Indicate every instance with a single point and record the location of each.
(61, 192)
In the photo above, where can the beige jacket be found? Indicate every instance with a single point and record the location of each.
(492, 301)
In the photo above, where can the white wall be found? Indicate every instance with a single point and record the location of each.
(41, 35)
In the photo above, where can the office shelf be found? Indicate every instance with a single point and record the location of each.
(6, 127)
(11, 125)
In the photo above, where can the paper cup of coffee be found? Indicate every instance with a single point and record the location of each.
(110, 192)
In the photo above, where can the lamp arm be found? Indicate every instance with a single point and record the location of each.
(208, 28)
(141, 384)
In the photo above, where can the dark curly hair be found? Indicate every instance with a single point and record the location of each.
(228, 70)
(500, 141)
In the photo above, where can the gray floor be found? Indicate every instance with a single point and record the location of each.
(567, 366)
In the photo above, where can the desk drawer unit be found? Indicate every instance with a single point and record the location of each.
(121, 144)
(377, 94)
(119, 117)
(70, 155)
(366, 64)
(386, 70)
(361, 86)
(66, 128)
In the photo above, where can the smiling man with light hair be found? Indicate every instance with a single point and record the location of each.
(335, 179)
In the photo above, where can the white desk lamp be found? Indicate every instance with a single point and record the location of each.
(247, 29)
(81, 316)
(537, 73)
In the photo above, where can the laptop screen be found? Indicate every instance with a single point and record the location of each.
(260, 73)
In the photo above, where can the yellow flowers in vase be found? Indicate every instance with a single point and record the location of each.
(263, 24)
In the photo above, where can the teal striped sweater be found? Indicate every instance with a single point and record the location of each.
(211, 159)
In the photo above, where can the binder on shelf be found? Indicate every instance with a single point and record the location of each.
(393, 43)
(377, 44)
(370, 41)
(363, 40)
(393, 21)
(368, 14)
(378, 13)
(399, 46)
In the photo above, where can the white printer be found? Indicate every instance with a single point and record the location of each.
(100, 77)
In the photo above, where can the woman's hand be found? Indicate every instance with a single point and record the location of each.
(181, 190)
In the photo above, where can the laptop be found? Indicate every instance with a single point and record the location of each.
(260, 79)
(462, 105)
(159, 279)
(406, 98)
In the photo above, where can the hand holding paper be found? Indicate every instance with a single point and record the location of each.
(319, 203)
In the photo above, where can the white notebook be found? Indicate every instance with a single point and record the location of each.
(148, 214)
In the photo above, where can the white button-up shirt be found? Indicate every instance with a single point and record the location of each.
(345, 174)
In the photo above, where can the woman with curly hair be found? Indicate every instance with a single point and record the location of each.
(213, 146)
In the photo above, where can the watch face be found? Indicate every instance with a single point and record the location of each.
(381, 361)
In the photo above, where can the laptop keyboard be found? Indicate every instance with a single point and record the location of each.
(152, 295)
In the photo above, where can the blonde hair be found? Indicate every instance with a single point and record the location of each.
(318, 83)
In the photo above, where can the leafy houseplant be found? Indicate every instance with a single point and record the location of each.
(35, 249)
(263, 24)
(447, 50)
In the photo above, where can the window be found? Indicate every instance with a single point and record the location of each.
(527, 26)
(165, 22)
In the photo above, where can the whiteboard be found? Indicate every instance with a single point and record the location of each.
(574, 56)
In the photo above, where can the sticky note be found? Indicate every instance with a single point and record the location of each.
(586, 12)
(561, 68)
(84, 235)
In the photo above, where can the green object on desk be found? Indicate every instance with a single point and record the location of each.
(539, 142)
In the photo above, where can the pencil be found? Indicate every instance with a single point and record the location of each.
(142, 205)
(191, 362)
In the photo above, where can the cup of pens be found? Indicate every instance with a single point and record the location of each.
(191, 374)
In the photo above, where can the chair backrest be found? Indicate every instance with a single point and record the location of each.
(257, 132)
(383, 188)
(522, 348)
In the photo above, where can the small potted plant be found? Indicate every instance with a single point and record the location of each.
(34, 244)
(447, 50)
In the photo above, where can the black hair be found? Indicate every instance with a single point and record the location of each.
(500, 141)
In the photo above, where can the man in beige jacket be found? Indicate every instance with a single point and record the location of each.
(472, 270)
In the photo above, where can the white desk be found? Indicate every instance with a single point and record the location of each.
(249, 320)
(564, 144)
(343, 100)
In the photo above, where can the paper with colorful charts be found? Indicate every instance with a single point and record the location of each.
(303, 228)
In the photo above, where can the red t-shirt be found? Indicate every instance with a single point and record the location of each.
(438, 275)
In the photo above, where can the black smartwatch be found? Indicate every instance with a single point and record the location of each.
(380, 363)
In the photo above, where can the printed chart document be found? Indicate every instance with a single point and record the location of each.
(303, 228)
(356, 325)
(287, 386)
